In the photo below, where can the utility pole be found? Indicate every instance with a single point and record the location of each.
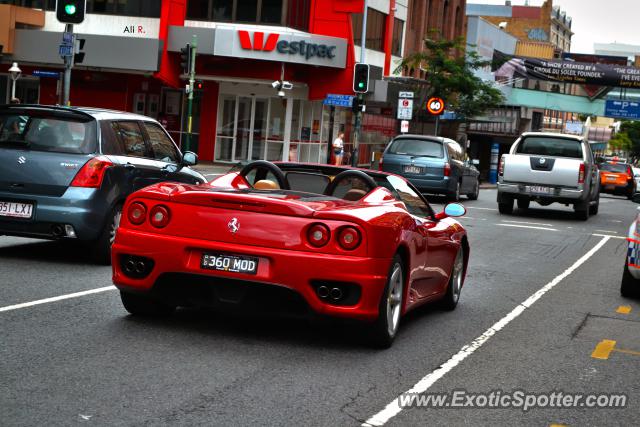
(190, 89)
(363, 47)
(68, 65)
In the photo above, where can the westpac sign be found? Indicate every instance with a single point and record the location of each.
(294, 47)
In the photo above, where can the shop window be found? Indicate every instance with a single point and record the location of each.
(396, 43)
(375, 29)
(298, 14)
(251, 11)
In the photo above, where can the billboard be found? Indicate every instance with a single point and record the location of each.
(565, 71)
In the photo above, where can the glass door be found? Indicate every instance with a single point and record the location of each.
(243, 128)
(226, 128)
(260, 114)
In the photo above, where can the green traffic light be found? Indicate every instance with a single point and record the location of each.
(361, 85)
(70, 9)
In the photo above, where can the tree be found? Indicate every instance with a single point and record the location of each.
(632, 131)
(620, 142)
(450, 76)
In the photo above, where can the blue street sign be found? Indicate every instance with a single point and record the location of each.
(42, 73)
(622, 109)
(67, 38)
(66, 50)
(338, 100)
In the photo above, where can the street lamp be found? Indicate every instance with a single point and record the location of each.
(15, 75)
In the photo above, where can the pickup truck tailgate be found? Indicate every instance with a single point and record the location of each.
(554, 171)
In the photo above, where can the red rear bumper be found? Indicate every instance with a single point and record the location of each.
(294, 270)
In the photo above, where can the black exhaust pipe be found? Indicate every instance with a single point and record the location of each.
(336, 294)
(57, 230)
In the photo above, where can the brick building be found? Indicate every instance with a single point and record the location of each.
(545, 24)
(446, 16)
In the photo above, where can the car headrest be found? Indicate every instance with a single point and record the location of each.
(266, 184)
(354, 194)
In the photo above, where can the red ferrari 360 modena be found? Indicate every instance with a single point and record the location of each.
(341, 242)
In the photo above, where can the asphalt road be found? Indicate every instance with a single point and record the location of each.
(83, 360)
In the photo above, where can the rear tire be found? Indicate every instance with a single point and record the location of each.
(455, 196)
(593, 209)
(101, 248)
(630, 286)
(524, 203)
(141, 305)
(505, 206)
(582, 211)
(476, 193)
(386, 326)
(452, 296)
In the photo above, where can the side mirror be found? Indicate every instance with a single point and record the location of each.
(636, 198)
(475, 162)
(452, 210)
(189, 158)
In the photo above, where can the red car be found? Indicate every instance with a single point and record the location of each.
(341, 242)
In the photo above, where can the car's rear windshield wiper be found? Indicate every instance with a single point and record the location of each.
(413, 156)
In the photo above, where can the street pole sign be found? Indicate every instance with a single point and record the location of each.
(338, 100)
(435, 106)
(405, 95)
(404, 126)
(405, 109)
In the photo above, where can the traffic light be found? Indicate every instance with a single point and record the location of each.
(71, 11)
(361, 78)
(198, 85)
(185, 59)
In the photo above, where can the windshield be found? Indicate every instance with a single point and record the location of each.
(417, 147)
(47, 133)
(549, 146)
(614, 167)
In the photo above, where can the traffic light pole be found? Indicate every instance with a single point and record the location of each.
(68, 65)
(363, 47)
(192, 80)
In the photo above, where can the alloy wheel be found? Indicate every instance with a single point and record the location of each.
(394, 299)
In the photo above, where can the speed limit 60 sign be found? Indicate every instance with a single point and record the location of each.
(435, 106)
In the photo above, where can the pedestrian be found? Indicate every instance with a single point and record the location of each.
(338, 148)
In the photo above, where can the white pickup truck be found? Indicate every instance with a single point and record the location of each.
(549, 168)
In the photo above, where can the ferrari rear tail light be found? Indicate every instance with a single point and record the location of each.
(318, 235)
(137, 213)
(581, 174)
(92, 173)
(159, 216)
(349, 238)
(501, 167)
(447, 169)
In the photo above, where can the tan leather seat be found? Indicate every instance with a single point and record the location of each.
(266, 184)
(354, 194)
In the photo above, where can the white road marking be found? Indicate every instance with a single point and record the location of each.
(529, 223)
(607, 231)
(528, 226)
(607, 235)
(394, 408)
(466, 217)
(482, 209)
(54, 299)
(616, 220)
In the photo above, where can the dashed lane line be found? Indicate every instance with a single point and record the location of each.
(55, 299)
(528, 226)
(394, 408)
